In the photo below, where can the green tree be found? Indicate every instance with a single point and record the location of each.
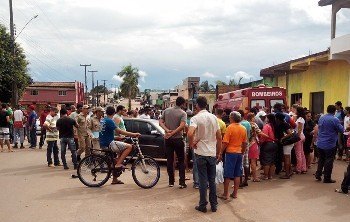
(129, 87)
(99, 89)
(12, 68)
(206, 87)
(221, 83)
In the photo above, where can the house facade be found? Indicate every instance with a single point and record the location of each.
(53, 93)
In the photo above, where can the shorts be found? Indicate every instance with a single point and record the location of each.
(254, 151)
(4, 133)
(233, 165)
(287, 150)
(117, 146)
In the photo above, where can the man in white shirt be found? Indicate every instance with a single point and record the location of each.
(205, 138)
(145, 115)
(18, 130)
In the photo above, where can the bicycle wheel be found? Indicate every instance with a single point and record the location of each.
(94, 171)
(145, 172)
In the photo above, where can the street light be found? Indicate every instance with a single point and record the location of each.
(34, 17)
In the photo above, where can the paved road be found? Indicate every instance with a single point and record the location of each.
(30, 191)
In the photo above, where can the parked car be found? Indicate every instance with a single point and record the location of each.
(152, 136)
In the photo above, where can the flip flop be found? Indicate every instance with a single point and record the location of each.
(233, 196)
(223, 197)
(117, 182)
(256, 180)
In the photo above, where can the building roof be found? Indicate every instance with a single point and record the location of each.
(53, 85)
(342, 3)
(296, 65)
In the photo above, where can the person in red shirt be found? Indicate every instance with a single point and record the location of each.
(43, 130)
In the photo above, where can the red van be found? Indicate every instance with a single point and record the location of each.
(260, 97)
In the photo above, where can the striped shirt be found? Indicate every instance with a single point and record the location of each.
(51, 122)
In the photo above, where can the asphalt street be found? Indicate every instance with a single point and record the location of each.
(30, 191)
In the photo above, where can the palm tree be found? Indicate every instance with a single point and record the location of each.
(129, 87)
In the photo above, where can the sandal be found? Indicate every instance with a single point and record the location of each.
(256, 180)
(233, 196)
(222, 197)
(117, 182)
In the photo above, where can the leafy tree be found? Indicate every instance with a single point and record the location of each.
(206, 87)
(99, 89)
(129, 87)
(221, 83)
(12, 68)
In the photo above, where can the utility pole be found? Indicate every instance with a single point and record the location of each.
(14, 83)
(97, 97)
(104, 91)
(93, 86)
(86, 88)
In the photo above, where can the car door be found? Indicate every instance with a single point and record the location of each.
(151, 145)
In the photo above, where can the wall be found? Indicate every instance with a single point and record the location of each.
(49, 95)
(332, 78)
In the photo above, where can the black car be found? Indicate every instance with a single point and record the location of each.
(152, 136)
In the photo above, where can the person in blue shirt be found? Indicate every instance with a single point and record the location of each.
(106, 137)
(32, 126)
(328, 128)
(340, 114)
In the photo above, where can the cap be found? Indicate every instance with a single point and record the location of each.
(261, 113)
(99, 109)
(86, 107)
(32, 107)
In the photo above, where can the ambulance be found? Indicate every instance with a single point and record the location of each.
(261, 97)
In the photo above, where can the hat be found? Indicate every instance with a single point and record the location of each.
(32, 107)
(99, 109)
(261, 113)
(86, 107)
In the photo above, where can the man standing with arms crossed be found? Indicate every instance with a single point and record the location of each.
(205, 138)
(173, 121)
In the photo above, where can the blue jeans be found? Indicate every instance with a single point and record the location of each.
(52, 148)
(33, 138)
(206, 172)
(195, 169)
(71, 145)
(18, 133)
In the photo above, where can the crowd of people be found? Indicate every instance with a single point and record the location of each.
(278, 142)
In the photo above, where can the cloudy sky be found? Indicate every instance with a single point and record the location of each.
(168, 40)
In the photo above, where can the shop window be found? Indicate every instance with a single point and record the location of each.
(317, 102)
(34, 92)
(296, 98)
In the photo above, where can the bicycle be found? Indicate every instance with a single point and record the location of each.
(96, 169)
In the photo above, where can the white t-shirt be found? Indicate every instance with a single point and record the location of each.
(144, 116)
(18, 115)
(206, 125)
(300, 120)
(346, 124)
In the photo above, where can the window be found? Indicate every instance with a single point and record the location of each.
(274, 101)
(34, 92)
(143, 127)
(62, 93)
(317, 102)
(296, 98)
(259, 103)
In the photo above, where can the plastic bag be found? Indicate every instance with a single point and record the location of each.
(219, 173)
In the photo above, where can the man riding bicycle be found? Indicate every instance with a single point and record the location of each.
(108, 128)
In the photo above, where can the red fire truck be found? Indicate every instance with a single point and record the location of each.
(260, 97)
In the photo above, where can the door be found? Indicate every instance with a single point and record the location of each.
(151, 145)
(317, 102)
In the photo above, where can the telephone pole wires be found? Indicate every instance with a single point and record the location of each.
(86, 88)
(93, 86)
(104, 91)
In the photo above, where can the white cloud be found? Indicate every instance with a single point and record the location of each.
(118, 78)
(241, 74)
(139, 86)
(209, 75)
(143, 74)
